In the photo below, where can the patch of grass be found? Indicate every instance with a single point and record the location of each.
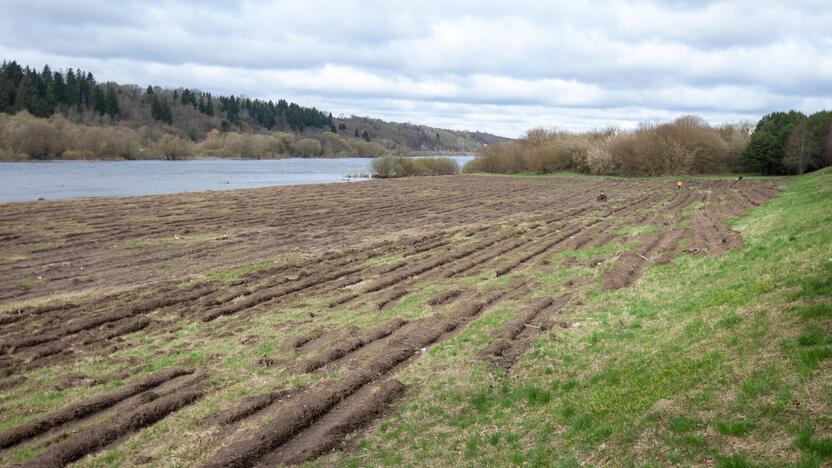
(17, 257)
(640, 375)
(232, 274)
(818, 446)
(634, 231)
(739, 428)
(812, 357)
(736, 460)
(30, 282)
(135, 245)
(730, 321)
(819, 310)
(535, 395)
(682, 424)
(812, 336)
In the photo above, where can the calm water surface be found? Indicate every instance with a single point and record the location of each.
(74, 179)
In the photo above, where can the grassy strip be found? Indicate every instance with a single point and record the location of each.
(722, 361)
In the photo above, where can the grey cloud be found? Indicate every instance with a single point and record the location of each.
(462, 64)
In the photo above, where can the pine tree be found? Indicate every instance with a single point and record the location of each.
(85, 90)
(165, 114)
(72, 99)
(6, 94)
(24, 97)
(111, 102)
(59, 88)
(98, 101)
(155, 108)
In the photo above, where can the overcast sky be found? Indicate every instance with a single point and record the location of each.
(501, 67)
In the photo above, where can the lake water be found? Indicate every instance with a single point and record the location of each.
(74, 179)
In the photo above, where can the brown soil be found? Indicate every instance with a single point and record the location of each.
(102, 274)
(91, 439)
(84, 408)
(246, 407)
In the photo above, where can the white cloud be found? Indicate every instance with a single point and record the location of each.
(495, 66)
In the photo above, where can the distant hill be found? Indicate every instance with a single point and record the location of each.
(417, 137)
(193, 123)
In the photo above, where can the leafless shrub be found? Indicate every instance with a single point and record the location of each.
(307, 147)
(173, 147)
(687, 145)
(396, 166)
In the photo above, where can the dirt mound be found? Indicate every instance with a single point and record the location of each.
(85, 408)
(93, 438)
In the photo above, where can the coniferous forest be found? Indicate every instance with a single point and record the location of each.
(46, 92)
(52, 114)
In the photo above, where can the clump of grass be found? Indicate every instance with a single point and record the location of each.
(30, 282)
(535, 395)
(735, 428)
(636, 230)
(821, 447)
(231, 274)
(736, 460)
(682, 424)
(811, 358)
(819, 310)
(730, 321)
(14, 258)
(812, 336)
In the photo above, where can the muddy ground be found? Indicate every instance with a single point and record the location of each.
(267, 326)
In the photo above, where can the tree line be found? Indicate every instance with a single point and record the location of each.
(790, 143)
(46, 92)
(780, 143)
(76, 94)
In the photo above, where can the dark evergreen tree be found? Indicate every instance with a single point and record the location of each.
(99, 102)
(85, 90)
(71, 97)
(166, 116)
(766, 149)
(7, 94)
(25, 94)
(111, 102)
(209, 105)
(59, 88)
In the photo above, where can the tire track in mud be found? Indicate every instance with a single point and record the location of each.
(119, 219)
(629, 266)
(313, 405)
(85, 408)
(96, 437)
(514, 337)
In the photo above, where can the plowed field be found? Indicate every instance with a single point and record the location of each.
(268, 326)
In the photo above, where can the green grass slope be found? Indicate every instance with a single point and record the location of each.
(724, 361)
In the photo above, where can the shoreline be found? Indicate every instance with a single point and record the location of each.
(220, 158)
